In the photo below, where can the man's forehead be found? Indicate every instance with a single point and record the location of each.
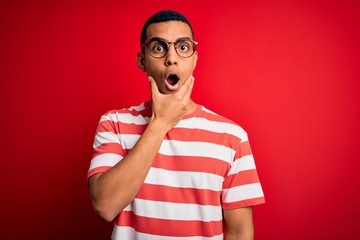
(169, 30)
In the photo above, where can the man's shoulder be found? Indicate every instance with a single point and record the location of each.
(220, 123)
(214, 116)
(135, 111)
(135, 108)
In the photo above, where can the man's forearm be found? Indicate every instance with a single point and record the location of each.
(115, 189)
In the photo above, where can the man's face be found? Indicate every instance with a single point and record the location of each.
(171, 71)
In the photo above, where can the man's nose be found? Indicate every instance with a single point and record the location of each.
(171, 57)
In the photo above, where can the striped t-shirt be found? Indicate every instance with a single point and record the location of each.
(204, 165)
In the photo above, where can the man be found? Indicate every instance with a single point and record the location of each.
(169, 168)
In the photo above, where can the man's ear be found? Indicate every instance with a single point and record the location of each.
(140, 59)
(195, 59)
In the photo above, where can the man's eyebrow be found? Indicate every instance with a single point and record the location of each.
(157, 39)
(182, 39)
(162, 39)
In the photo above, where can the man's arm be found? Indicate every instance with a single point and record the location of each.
(113, 190)
(239, 224)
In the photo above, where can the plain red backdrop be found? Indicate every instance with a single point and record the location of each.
(287, 71)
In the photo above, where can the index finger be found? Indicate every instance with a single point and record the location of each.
(186, 88)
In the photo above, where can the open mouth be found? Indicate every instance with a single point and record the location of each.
(172, 79)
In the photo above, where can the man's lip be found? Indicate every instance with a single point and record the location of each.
(171, 73)
(174, 86)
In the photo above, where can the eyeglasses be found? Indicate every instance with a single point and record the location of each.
(158, 47)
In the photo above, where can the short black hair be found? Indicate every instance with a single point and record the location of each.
(163, 16)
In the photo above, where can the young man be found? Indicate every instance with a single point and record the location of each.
(169, 168)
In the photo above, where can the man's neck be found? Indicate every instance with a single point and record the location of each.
(191, 106)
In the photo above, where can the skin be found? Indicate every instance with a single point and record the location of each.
(239, 224)
(158, 68)
(113, 190)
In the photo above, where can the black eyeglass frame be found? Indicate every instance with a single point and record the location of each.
(168, 45)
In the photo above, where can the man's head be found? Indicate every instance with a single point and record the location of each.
(163, 16)
(168, 51)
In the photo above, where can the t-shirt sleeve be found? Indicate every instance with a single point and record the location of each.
(108, 150)
(241, 187)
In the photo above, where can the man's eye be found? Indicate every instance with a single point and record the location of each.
(183, 47)
(158, 48)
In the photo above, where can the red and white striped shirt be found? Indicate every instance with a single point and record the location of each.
(204, 165)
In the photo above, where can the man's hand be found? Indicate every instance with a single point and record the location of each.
(170, 108)
(113, 190)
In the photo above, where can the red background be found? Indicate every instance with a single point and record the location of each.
(287, 71)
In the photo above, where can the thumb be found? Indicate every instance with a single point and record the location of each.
(153, 86)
